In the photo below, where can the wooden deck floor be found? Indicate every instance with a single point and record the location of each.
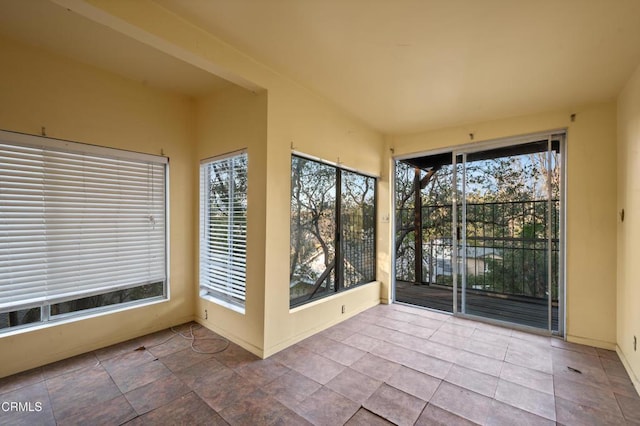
(532, 313)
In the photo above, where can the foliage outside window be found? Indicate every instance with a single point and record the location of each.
(82, 228)
(436, 194)
(332, 230)
(223, 230)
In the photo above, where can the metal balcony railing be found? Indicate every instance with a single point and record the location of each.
(506, 250)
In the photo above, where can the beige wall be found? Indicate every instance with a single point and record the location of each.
(270, 125)
(300, 120)
(591, 206)
(295, 117)
(629, 230)
(226, 121)
(80, 103)
(235, 119)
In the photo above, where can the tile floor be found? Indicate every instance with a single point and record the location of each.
(389, 364)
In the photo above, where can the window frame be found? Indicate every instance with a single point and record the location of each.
(46, 316)
(205, 291)
(338, 239)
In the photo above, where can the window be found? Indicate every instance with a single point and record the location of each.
(333, 230)
(82, 228)
(223, 229)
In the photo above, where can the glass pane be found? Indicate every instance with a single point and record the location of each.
(19, 317)
(458, 264)
(112, 298)
(358, 229)
(436, 227)
(405, 230)
(427, 282)
(313, 228)
(555, 179)
(505, 259)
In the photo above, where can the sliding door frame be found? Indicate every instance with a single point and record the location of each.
(463, 150)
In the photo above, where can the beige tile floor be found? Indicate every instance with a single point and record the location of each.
(389, 364)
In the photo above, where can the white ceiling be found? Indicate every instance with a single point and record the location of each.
(49, 26)
(401, 66)
(409, 65)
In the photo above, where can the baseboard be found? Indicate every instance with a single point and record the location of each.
(591, 342)
(231, 338)
(308, 333)
(630, 372)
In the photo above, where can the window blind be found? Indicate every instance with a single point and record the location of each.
(223, 228)
(77, 220)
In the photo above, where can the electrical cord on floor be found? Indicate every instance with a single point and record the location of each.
(192, 337)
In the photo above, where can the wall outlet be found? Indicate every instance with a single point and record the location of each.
(206, 314)
(635, 343)
(344, 309)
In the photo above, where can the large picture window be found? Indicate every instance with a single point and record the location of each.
(223, 229)
(333, 230)
(82, 228)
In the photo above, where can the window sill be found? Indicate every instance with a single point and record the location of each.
(71, 318)
(223, 303)
(326, 299)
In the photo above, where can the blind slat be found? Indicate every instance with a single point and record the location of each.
(77, 220)
(223, 222)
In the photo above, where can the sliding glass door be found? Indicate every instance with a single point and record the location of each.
(485, 222)
(509, 211)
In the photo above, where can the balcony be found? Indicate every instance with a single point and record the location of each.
(504, 263)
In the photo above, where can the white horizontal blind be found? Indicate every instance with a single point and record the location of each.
(223, 228)
(75, 224)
